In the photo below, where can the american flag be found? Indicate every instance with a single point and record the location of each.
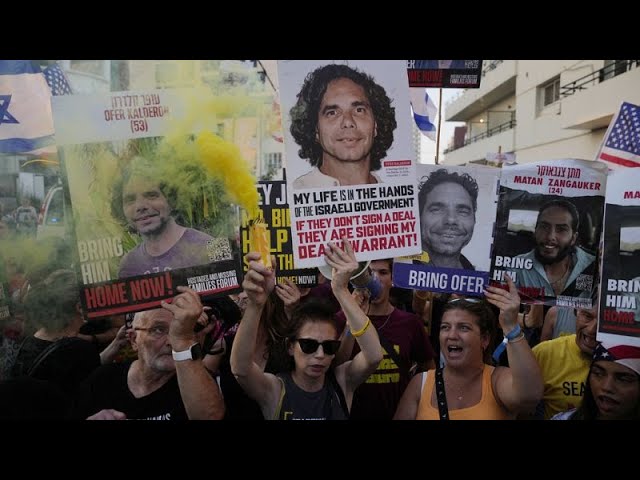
(621, 144)
(627, 355)
(57, 80)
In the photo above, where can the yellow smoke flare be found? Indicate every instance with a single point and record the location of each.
(259, 241)
(222, 160)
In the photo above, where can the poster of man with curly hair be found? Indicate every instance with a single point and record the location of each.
(151, 210)
(349, 157)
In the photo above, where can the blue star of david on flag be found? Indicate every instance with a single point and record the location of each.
(5, 116)
(26, 121)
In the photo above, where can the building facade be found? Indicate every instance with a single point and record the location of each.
(541, 109)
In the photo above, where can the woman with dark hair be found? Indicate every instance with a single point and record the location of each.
(313, 389)
(269, 353)
(613, 386)
(54, 352)
(469, 385)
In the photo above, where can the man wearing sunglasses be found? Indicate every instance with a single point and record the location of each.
(168, 381)
(313, 389)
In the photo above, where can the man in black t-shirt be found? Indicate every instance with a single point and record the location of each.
(168, 380)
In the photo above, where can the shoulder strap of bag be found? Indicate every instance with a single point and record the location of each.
(388, 347)
(333, 381)
(441, 396)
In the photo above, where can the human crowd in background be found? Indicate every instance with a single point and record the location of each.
(276, 351)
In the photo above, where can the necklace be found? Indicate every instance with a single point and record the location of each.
(384, 324)
(460, 388)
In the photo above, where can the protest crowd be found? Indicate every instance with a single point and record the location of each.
(161, 304)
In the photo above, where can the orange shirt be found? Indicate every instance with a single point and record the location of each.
(487, 409)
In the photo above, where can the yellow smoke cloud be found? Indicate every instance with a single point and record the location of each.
(222, 159)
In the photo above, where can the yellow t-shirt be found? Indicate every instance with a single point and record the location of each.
(564, 372)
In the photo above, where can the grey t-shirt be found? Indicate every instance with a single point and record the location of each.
(190, 251)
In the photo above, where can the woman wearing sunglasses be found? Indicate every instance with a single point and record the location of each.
(469, 387)
(312, 390)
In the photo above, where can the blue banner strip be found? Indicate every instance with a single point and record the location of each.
(437, 279)
(18, 67)
(19, 145)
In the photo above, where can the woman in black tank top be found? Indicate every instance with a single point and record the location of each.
(308, 391)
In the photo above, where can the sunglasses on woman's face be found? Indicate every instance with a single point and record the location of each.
(309, 345)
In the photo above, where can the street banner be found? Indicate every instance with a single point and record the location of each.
(457, 215)
(498, 159)
(147, 214)
(620, 286)
(275, 212)
(350, 165)
(548, 227)
(444, 73)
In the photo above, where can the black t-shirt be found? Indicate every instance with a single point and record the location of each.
(27, 398)
(66, 366)
(238, 405)
(107, 388)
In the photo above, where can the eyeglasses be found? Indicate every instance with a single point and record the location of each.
(465, 299)
(309, 345)
(157, 331)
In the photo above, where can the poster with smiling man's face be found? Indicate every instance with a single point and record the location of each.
(349, 164)
(457, 213)
(147, 215)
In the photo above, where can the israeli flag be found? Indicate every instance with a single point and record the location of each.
(26, 121)
(424, 111)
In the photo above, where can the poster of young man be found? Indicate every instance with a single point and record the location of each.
(350, 166)
(548, 227)
(275, 212)
(620, 286)
(457, 213)
(444, 73)
(147, 216)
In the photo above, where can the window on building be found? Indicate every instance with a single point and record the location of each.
(613, 68)
(551, 92)
(93, 67)
(273, 160)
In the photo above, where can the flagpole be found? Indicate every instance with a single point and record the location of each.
(439, 120)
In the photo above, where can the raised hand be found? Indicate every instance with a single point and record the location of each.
(507, 301)
(289, 293)
(343, 264)
(186, 309)
(259, 281)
